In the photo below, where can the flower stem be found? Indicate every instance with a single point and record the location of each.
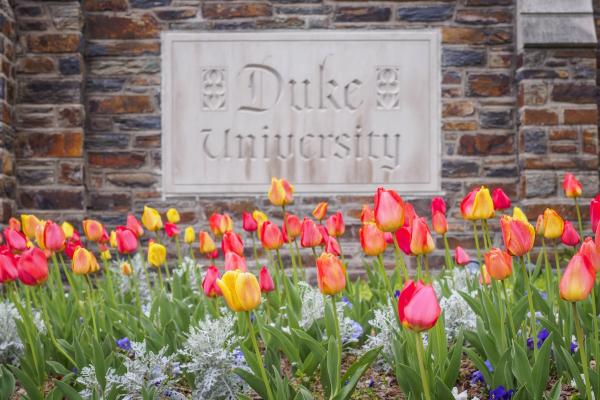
(531, 308)
(261, 366)
(423, 372)
(511, 323)
(399, 258)
(294, 268)
(578, 217)
(300, 260)
(338, 339)
(582, 352)
(91, 307)
(384, 275)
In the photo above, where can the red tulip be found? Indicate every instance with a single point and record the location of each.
(8, 266)
(92, 229)
(320, 211)
(570, 237)
(372, 240)
(324, 234)
(404, 237)
(332, 246)
(231, 241)
(271, 236)
(265, 281)
(595, 212)
(518, 235)
(249, 224)
(389, 237)
(439, 223)
(293, 226)
(54, 237)
(331, 274)
(578, 280)
(498, 264)
(571, 186)
(409, 214)
(438, 205)
(389, 210)
(15, 240)
(421, 241)
(234, 261)
(460, 256)
(14, 223)
(500, 199)
(33, 267)
(135, 226)
(591, 252)
(418, 308)
(209, 283)
(171, 229)
(72, 244)
(310, 235)
(335, 225)
(127, 241)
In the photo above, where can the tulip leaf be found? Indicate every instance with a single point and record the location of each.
(303, 394)
(472, 302)
(356, 370)
(32, 389)
(99, 364)
(541, 368)
(253, 381)
(7, 383)
(57, 368)
(556, 390)
(502, 370)
(409, 380)
(442, 391)
(284, 343)
(67, 390)
(333, 365)
(453, 366)
(479, 364)
(522, 369)
(573, 369)
(314, 346)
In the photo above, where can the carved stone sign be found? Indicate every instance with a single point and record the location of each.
(333, 112)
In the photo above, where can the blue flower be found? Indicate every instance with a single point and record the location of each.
(542, 336)
(238, 355)
(346, 302)
(530, 343)
(488, 364)
(544, 295)
(397, 293)
(75, 370)
(124, 344)
(371, 383)
(500, 393)
(574, 347)
(477, 376)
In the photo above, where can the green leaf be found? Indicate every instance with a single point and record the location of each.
(556, 389)
(253, 381)
(303, 394)
(442, 391)
(333, 366)
(68, 391)
(99, 364)
(283, 342)
(28, 384)
(541, 368)
(7, 383)
(356, 370)
(58, 368)
(522, 369)
(479, 363)
(453, 366)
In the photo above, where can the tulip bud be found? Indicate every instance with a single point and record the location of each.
(389, 210)
(157, 254)
(553, 225)
(127, 241)
(438, 205)
(418, 308)
(173, 216)
(32, 267)
(367, 215)
(292, 227)
(8, 266)
(320, 211)
(331, 274)
(571, 186)
(518, 236)
(591, 252)
(233, 262)
(335, 225)
(54, 237)
(460, 256)
(29, 225)
(105, 255)
(126, 269)
(372, 240)
(240, 290)
(84, 262)
(189, 235)
(271, 236)
(421, 241)
(578, 280)
(209, 283)
(281, 192)
(389, 237)
(404, 237)
(67, 229)
(135, 226)
(171, 229)
(15, 240)
(332, 246)
(439, 223)
(151, 219)
(569, 236)
(498, 264)
(207, 245)
(500, 200)
(477, 204)
(265, 281)
(310, 235)
(93, 230)
(249, 224)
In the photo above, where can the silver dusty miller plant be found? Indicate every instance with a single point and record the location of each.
(11, 346)
(386, 329)
(209, 356)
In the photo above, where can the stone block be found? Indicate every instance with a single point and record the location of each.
(488, 85)
(236, 10)
(432, 13)
(101, 26)
(486, 144)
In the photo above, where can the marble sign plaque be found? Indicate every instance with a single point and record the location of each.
(333, 112)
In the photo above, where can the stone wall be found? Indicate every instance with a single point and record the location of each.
(88, 112)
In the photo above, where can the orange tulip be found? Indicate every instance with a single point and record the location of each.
(421, 241)
(335, 225)
(231, 241)
(372, 240)
(569, 236)
(84, 262)
(498, 264)
(207, 245)
(389, 210)
(591, 252)
(439, 223)
(518, 235)
(54, 237)
(281, 192)
(484, 276)
(271, 236)
(265, 281)
(310, 235)
(331, 274)
(477, 204)
(571, 186)
(366, 215)
(418, 308)
(578, 280)
(220, 224)
(320, 211)
(93, 230)
(292, 228)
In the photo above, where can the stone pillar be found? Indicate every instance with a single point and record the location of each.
(556, 78)
(49, 108)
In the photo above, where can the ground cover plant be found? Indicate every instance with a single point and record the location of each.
(88, 314)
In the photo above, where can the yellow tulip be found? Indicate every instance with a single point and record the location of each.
(105, 255)
(189, 235)
(553, 224)
(240, 290)
(29, 224)
(520, 215)
(67, 229)
(126, 269)
(157, 254)
(84, 262)
(173, 216)
(151, 219)
(281, 192)
(113, 239)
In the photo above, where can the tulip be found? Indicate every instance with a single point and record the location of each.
(421, 241)
(292, 227)
(271, 236)
(310, 235)
(68, 229)
(409, 215)
(157, 254)
(265, 281)
(595, 212)
(241, 290)
(404, 237)
(571, 186)
(209, 283)
(171, 229)
(569, 236)
(418, 308)
(233, 262)
(151, 219)
(438, 205)
(591, 252)
(127, 241)
(484, 276)
(331, 274)
(33, 267)
(439, 223)
(552, 225)
(259, 217)
(173, 216)
(105, 255)
(372, 240)
(477, 204)
(231, 241)
(8, 266)
(518, 236)
(460, 256)
(39, 234)
(15, 240)
(207, 245)
(135, 226)
(324, 234)
(249, 224)
(335, 225)
(366, 215)
(389, 237)
(500, 200)
(113, 239)
(84, 262)
(72, 244)
(332, 246)
(389, 210)
(498, 264)
(320, 211)
(93, 230)
(220, 223)
(189, 235)
(29, 224)
(578, 280)
(126, 269)
(54, 237)
(281, 192)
